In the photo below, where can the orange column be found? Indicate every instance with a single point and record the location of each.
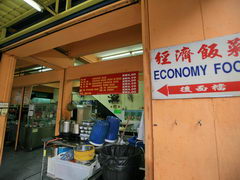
(7, 69)
(149, 158)
(181, 148)
(67, 98)
(60, 100)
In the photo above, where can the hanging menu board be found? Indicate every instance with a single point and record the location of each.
(121, 83)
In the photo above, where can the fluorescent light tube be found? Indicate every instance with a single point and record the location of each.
(137, 52)
(122, 55)
(34, 4)
(44, 70)
(116, 56)
(36, 68)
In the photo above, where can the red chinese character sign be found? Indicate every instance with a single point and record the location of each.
(121, 83)
(209, 68)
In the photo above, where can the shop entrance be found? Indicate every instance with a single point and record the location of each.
(58, 99)
(90, 106)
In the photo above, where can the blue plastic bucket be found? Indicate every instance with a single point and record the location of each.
(99, 132)
(114, 124)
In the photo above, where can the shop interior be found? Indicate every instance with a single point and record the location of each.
(76, 94)
(32, 124)
(31, 118)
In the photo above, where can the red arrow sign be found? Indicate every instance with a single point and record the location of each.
(200, 88)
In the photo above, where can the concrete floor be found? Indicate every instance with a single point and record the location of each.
(21, 165)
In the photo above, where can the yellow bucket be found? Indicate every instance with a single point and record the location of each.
(84, 153)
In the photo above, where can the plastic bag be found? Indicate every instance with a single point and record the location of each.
(120, 162)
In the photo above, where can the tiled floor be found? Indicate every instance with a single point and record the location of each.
(21, 165)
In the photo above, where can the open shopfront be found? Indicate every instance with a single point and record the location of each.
(40, 106)
(31, 116)
(130, 28)
(88, 108)
(185, 138)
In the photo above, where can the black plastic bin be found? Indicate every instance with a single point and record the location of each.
(120, 162)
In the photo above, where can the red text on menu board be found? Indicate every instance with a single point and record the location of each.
(121, 83)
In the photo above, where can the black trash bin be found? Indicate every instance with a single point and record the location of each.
(120, 162)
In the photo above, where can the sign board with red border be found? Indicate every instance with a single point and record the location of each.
(121, 83)
(209, 68)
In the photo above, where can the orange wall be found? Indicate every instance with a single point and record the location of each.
(185, 150)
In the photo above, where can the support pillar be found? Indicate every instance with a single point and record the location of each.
(60, 101)
(7, 68)
(67, 98)
(149, 158)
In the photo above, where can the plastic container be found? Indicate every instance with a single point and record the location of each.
(67, 170)
(99, 132)
(114, 124)
(120, 162)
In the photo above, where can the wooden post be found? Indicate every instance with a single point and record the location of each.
(59, 107)
(149, 163)
(19, 118)
(67, 97)
(7, 69)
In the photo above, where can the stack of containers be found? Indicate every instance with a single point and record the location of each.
(85, 130)
(112, 134)
(105, 131)
(99, 132)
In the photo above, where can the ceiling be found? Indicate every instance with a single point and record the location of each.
(13, 11)
(119, 51)
(17, 16)
(19, 21)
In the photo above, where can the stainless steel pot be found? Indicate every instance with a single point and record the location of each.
(66, 127)
(75, 129)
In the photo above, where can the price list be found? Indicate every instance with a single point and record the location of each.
(130, 83)
(121, 83)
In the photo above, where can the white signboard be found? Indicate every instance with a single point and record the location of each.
(209, 68)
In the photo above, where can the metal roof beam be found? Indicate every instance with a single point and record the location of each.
(68, 4)
(47, 8)
(57, 6)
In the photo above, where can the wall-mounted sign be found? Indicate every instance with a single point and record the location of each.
(209, 68)
(121, 83)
